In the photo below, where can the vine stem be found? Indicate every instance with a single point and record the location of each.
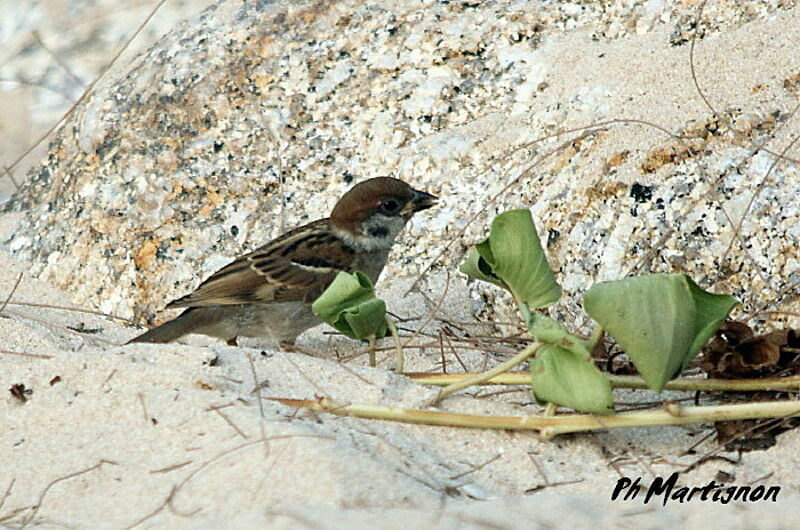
(549, 426)
(597, 334)
(483, 377)
(625, 381)
(399, 356)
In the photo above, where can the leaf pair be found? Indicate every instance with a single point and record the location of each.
(512, 257)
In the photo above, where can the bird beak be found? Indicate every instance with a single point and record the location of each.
(421, 201)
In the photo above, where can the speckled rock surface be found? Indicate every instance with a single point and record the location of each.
(50, 50)
(172, 168)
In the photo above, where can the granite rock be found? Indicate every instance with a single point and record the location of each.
(256, 115)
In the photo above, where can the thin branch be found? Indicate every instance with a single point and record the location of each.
(26, 354)
(691, 58)
(7, 492)
(10, 174)
(167, 503)
(47, 488)
(74, 309)
(11, 294)
(477, 379)
(478, 467)
(257, 390)
(229, 421)
(777, 297)
(67, 329)
(372, 343)
(88, 89)
(171, 468)
(739, 436)
(146, 415)
(435, 309)
(228, 452)
(738, 229)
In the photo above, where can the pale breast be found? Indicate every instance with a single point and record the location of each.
(371, 263)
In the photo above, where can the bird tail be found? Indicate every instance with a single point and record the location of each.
(184, 324)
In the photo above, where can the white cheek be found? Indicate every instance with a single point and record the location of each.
(391, 225)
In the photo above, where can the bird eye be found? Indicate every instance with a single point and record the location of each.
(389, 207)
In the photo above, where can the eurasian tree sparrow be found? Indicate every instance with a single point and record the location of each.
(268, 292)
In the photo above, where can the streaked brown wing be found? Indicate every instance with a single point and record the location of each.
(297, 266)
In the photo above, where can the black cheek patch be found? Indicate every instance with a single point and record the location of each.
(379, 231)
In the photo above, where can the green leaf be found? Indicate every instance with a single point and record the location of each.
(512, 257)
(547, 330)
(560, 376)
(660, 320)
(478, 268)
(350, 306)
(563, 371)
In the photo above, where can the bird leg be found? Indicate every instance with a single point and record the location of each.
(372, 343)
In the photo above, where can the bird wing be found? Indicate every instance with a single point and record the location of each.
(297, 266)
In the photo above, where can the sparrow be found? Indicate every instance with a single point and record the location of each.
(268, 293)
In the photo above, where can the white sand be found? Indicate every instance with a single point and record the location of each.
(145, 416)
